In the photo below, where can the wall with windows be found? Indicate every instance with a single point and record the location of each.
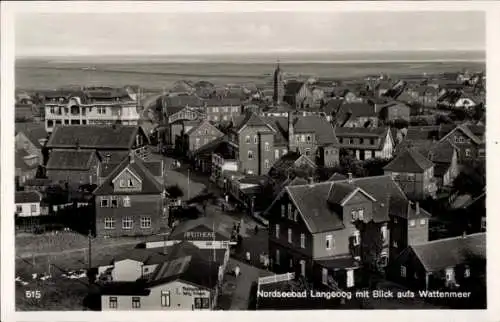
(176, 295)
(28, 209)
(129, 215)
(418, 230)
(249, 148)
(467, 150)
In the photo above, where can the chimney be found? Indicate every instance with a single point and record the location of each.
(131, 157)
(464, 234)
(417, 208)
(349, 177)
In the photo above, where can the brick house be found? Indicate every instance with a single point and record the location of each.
(414, 173)
(438, 264)
(222, 109)
(117, 139)
(130, 201)
(76, 167)
(469, 140)
(314, 228)
(366, 143)
(198, 136)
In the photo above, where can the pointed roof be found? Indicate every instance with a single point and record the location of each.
(409, 160)
(252, 119)
(149, 183)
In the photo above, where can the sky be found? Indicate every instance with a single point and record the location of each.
(81, 34)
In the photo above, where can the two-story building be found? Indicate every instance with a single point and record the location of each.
(195, 137)
(393, 111)
(366, 143)
(130, 201)
(317, 229)
(469, 140)
(357, 115)
(90, 106)
(414, 173)
(223, 109)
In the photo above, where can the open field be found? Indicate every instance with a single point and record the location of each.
(40, 75)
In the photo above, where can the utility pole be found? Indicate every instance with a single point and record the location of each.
(189, 190)
(90, 249)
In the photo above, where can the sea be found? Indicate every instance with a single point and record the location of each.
(157, 72)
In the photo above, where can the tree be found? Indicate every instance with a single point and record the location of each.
(371, 244)
(174, 191)
(375, 167)
(471, 180)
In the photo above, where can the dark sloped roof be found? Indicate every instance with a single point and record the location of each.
(225, 101)
(340, 191)
(142, 255)
(323, 129)
(149, 184)
(28, 196)
(311, 201)
(292, 87)
(251, 119)
(360, 132)
(409, 160)
(443, 253)
(70, 159)
(286, 161)
(93, 136)
(280, 126)
(357, 109)
(189, 269)
(176, 103)
(21, 162)
(337, 176)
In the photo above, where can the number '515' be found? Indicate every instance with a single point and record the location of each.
(33, 294)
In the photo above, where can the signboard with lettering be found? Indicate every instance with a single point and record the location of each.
(199, 233)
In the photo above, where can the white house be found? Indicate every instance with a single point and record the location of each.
(28, 203)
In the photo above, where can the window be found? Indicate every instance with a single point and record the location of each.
(361, 141)
(146, 222)
(412, 223)
(295, 214)
(127, 223)
(109, 223)
(466, 272)
(422, 222)
(284, 152)
(395, 175)
(449, 274)
(372, 141)
(308, 152)
(324, 276)
(329, 242)
(341, 140)
(130, 183)
(350, 278)
(395, 244)
(104, 202)
(123, 183)
(277, 256)
(113, 302)
(410, 176)
(302, 241)
(290, 211)
(403, 271)
(355, 238)
(276, 154)
(201, 303)
(126, 201)
(282, 211)
(250, 155)
(354, 215)
(277, 231)
(395, 220)
(33, 208)
(290, 235)
(136, 302)
(165, 298)
(361, 214)
(19, 209)
(308, 138)
(101, 110)
(467, 153)
(266, 164)
(255, 139)
(383, 230)
(247, 139)
(266, 145)
(114, 202)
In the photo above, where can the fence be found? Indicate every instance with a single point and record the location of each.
(276, 278)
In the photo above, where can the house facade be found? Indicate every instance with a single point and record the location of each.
(90, 106)
(223, 109)
(28, 204)
(130, 201)
(73, 166)
(366, 143)
(200, 135)
(414, 173)
(470, 145)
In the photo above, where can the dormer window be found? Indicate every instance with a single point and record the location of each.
(282, 211)
(255, 139)
(247, 139)
(412, 223)
(290, 211)
(355, 238)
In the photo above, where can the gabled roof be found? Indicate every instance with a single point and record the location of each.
(149, 183)
(361, 132)
(176, 103)
(357, 110)
(409, 160)
(203, 123)
(252, 119)
(440, 254)
(324, 130)
(70, 159)
(224, 101)
(34, 132)
(337, 176)
(341, 192)
(20, 161)
(465, 130)
(94, 136)
(27, 196)
(288, 161)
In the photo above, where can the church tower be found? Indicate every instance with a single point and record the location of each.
(279, 87)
